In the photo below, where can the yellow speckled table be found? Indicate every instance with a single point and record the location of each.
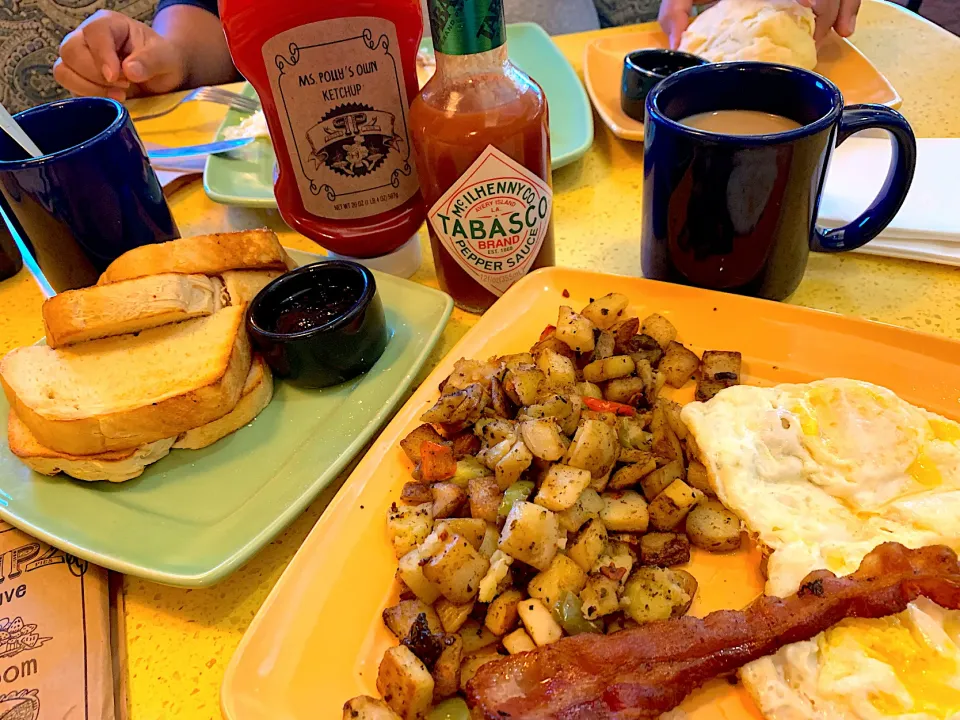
(179, 641)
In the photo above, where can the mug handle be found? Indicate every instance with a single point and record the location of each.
(899, 177)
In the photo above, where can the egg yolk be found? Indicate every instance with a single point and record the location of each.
(924, 471)
(808, 421)
(946, 431)
(927, 676)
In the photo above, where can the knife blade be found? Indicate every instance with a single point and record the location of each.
(193, 150)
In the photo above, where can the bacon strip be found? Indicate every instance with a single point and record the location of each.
(646, 671)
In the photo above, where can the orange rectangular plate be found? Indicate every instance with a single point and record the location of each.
(840, 62)
(318, 639)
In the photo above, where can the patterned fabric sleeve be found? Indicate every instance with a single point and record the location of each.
(626, 12)
(30, 36)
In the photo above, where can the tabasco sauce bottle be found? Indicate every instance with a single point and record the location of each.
(335, 78)
(482, 145)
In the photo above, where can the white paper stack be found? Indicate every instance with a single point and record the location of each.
(928, 225)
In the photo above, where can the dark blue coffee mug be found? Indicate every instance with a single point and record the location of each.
(91, 197)
(738, 212)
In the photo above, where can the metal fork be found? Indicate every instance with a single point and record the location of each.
(209, 94)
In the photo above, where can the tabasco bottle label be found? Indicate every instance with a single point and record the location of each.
(494, 219)
(338, 87)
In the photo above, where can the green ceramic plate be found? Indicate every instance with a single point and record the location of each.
(245, 177)
(197, 515)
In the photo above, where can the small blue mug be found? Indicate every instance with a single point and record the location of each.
(738, 212)
(91, 197)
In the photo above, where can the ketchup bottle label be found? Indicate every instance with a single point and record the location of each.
(338, 86)
(493, 219)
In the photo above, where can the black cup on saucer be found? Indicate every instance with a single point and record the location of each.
(642, 69)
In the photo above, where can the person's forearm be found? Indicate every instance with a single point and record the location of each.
(203, 46)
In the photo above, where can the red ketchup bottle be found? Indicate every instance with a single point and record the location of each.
(335, 79)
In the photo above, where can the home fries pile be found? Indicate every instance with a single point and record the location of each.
(155, 356)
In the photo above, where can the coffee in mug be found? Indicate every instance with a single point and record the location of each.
(740, 122)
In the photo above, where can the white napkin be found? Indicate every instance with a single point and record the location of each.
(171, 170)
(927, 226)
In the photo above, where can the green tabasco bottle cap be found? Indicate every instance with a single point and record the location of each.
(467, 27)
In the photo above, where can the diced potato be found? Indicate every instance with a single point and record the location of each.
(565, 409)
(660, 329)
(616, 562)
(518, 641)
(398, 618)
(664, 549)
(452, 616)
(561, 487)
(594, 448)
(472, 663)
(416, 437)
(542, 438)
(472, 529)
(559, 371)
(671, 412)
(625, 390)
(530, 535)
(415, 493)
(624, 511)
(599, 596)
(687, 581)
(719, 369)
(617, 366)
(476, 637)
(712, 527)
(465, 444)
(460, 407)
(666, 445)
(499, 571)
(522, 383)
(513, 464)
(657, 481)
(588, 389)
(575, 330)
(365, 707)
(457, 568)
(654, 593)
(604, 346)
(588, 544)
(411, 574)
(679, 365)
(492, 455)
(502, 614)
(515, 360)
(446, 670)
(408, 526)
(698, 477)
(448, 498)
(491, 538)
(607, 311)
(495, 430)
(563, 575)
(600, 484)
(671, 506)
(405, 683)
(501, 403)
(485, 496)
(539, 622)
(629, 475)
(587, 506)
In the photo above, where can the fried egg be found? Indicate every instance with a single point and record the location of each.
(821, 474)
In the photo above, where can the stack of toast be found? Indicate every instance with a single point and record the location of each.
(154, 357)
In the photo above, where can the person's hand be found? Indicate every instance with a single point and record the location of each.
(115, 56)
(674, 17)
(840, 15)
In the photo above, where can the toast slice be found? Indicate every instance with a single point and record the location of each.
(256, 395)
(112, 466)
(128, 306)
(122, 392)
(201, 255)
(242, 286)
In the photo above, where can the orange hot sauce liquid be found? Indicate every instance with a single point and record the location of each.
(452, 122)
(247, 25)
